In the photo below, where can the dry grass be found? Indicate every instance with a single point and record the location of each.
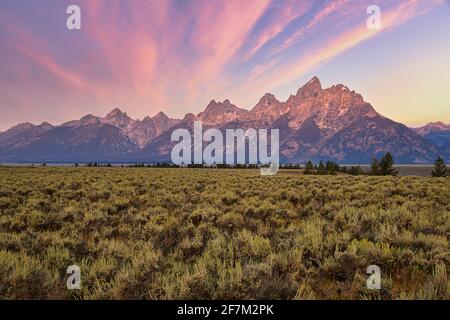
(140, 233)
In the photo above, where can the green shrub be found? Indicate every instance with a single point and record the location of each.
(157, 233)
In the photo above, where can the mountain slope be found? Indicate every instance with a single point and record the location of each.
(432, 127)
(315, 124)
(337, 124)
(22, 135)
(140, 132)
(90, 138)
(82, 142)
(439, 134)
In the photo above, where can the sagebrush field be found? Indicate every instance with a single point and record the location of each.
(143, 233)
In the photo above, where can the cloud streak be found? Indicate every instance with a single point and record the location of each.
(319, 52)
(146, 56)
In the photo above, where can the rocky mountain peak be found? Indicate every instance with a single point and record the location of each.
(221, 112)
(161, 115)
(438, 125)
(117, 114)
(189, 117)
(332, 108)
(211, 104)
(89, 119)
(311, 89)
(46, 126)
(214, 106)
(268, 99)
(432, 127)
(269, 108)
(23, 126)
(146, 119)
(163, 122)
(119, 119)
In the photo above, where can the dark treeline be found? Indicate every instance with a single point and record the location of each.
(383, 166)
(331, 168)
(378, 167)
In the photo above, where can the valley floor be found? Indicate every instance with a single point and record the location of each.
(147, 233)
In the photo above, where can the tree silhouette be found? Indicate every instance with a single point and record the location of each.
(309, 167)
(384, 166)
(321, 168)
(375, 167)
(440, 168)
(387, 165)
(355, 171)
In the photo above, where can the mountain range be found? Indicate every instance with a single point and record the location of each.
(334, 123)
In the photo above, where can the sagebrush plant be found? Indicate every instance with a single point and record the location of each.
(146, 233)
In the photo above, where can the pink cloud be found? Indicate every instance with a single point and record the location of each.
(153, 63)
(147, 56)
(26, 46)
(330, 8)
(221, 30)
(280, 18)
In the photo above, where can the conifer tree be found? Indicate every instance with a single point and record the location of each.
(375, 167)
(309, 167)
(387, 165)
(440, 168)
(321, 168)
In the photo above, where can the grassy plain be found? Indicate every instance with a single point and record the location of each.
(146, 233)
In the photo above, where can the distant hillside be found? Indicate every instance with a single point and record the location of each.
(315, 124)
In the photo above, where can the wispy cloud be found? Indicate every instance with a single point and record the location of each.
(278, 17)
(173, 55)
(328, 9)
(319, 52)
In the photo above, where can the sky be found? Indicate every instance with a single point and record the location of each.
(146, 56)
